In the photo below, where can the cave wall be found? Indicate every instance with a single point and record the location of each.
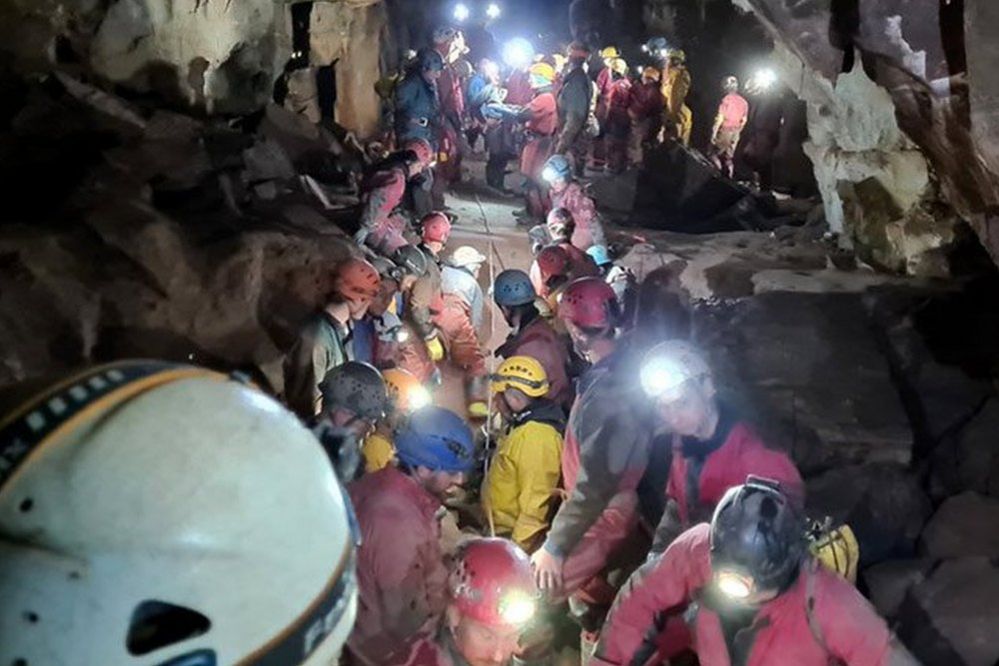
(936, 63)
(217, 57)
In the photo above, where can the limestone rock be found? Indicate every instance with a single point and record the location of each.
(889, 582)
(951, 618)
(882, 503)
(964, 526)
(915, 70)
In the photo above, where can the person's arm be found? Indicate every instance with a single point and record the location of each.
(609, 443)
(304, 366)
(660, 587)
(420, 297)
(538, 470)
(852, 630)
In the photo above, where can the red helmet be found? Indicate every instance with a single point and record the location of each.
(436, 228)
(357, 280)
(589, 303)
(553, 261)
(422, 149)
(492, 583)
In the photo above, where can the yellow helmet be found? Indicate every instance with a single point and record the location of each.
(651, 73)
(405, 390)
(677, 54)
(619, 66)
(523, 373)
(541, 74)
(610, 52)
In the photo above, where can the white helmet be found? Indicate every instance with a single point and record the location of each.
(161, 514)
(466, 256)
(668, 366)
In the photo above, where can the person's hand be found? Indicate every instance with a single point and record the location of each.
(547, 570)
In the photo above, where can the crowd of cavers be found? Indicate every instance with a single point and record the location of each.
(604, 479)
(611, 482)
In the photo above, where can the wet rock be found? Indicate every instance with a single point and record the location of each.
(963, 526)
(951, 618)
(889, 582)
(882, 503)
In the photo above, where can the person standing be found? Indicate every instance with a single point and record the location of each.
(418, 116)
(678, 120)
(573, 104)
(618, 129)
(540, 119)
(645, 111)
(733, 112)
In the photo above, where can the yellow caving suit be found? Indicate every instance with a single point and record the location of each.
(678, 120)
(523, 480)
(378, 451)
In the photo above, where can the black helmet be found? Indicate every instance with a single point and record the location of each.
(757, 538)
(430, 60)
(358, 387)
(411, 259)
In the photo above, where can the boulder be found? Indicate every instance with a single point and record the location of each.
(808, 370)
(951, 618)
(889, 582)
(151, 248)
(966, 460)
(963, 526)
(882, 503)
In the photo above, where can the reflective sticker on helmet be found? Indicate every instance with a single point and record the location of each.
(31, 424)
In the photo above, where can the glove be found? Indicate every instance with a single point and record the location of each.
(478, 410)
(435, 348)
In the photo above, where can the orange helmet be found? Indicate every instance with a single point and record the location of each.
(357, 280)
(436, 228)
(405, 390)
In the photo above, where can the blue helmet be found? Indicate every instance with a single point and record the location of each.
(599, 254)
(436, 438)
(513, 287)
(557, 166)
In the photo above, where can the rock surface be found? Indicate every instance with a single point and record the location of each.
(931, 65)
(964, 526)
(889, 582)
(882, 503)
(951, 618)
(214, 56)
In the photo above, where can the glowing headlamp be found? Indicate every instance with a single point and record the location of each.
(518, 53)
(517, 608)
(493, 10)
(734, 585)
(766, 78)
(549, 174)
(461, 12)
(402, 335)
(418, 398)
(661, 377)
